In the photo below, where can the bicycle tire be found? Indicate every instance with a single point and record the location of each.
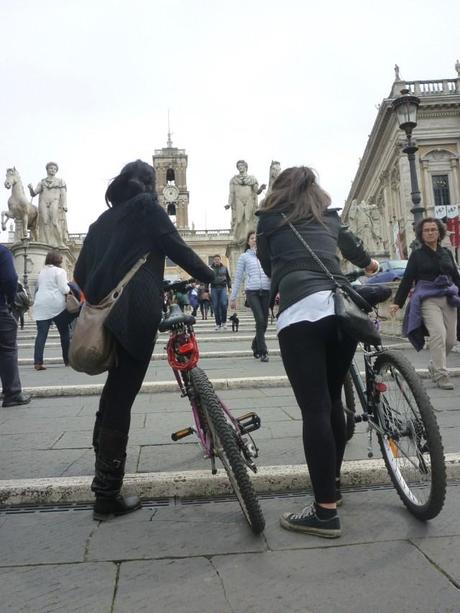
(350, 406)
(416, 424)
(227, 450)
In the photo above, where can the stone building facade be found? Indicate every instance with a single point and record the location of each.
(378, 206)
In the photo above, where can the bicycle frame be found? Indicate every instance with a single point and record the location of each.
(183, 355)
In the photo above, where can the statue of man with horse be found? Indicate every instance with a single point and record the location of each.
(19, 207)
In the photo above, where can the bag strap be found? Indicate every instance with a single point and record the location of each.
(354, 295)
(312, 253)
(125, 280)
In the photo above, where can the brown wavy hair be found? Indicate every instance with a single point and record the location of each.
(438, 222)
(297, 194)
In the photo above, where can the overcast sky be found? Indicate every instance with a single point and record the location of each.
(88, 84)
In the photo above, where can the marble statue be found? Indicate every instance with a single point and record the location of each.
(52, 207)
(364, 220)
(397, 75)
(19, 207)
(243, 202)
(275, 169)
(457, 68)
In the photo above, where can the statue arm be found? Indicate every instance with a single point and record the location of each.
(64, 197)
(37, 190)
(231, 195)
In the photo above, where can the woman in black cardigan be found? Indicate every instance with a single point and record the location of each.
(134, 225)
(435, 300)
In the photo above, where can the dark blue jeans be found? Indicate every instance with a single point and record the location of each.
(9, 372)
(43, 326)
(220, 303)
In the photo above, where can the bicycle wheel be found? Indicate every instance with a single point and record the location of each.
(226, 449)
(348, 399)
(410, 441)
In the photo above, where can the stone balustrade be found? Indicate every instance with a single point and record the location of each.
(434, 87)
(187, 235)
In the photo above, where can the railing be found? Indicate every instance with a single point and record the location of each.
(434, 88)
(186, 234)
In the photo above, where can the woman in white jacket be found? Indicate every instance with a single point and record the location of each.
(49, 307)
(257, 293)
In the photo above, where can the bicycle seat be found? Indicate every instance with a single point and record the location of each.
(373, 294)
(174, 318)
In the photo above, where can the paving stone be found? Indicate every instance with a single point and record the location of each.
(31, 464)
(202, 530)
(36, 424)
(36, 440)
(325, 580)
(189, 586)
(443, 552)
(366, 516)
(68, 588)
(172, 457)
(45, 538)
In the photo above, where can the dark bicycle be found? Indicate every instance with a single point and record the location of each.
(397, 408)
(219, 433)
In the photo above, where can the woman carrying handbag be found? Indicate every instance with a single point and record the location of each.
(316, 353)
(133, 226)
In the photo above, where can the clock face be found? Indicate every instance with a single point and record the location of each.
(170, 193)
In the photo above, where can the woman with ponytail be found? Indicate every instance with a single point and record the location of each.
(133, 226)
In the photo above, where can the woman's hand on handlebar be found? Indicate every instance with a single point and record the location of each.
(373, 267)
(394, 308)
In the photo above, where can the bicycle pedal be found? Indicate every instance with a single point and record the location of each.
(176, 436)
(248, 422)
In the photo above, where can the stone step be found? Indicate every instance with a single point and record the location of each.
(151, 387)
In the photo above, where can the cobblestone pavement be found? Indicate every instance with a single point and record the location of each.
(194, 556)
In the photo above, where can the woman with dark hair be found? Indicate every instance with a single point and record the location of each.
(134, 225)
(49, 307)
(434, 305)
(316, 353)
(257, 293)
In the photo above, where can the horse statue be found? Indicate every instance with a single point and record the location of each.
(19, 207)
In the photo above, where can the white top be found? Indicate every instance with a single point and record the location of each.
(311, 308)
(49, 299)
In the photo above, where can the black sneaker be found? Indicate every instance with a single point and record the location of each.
(264, 357)
(308, 522)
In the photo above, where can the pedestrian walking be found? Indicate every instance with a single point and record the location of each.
(434, 304)
(9, 371)
(316, 353)
(134, 225)
(193, 298)
(49, 307)
(204, 300)
(257, 292)
(219, 295)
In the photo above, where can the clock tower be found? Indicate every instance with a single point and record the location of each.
(170, 165)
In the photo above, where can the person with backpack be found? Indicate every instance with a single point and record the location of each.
(9, 371)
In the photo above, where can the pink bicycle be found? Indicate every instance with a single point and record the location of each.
(219, 433)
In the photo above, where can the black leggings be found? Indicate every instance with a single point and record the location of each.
(316, 360)
(259, 302)
(120, 391)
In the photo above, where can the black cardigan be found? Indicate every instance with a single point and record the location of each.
(425, 265)
(119, 237)
(281, 253)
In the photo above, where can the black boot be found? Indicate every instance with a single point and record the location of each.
(108, 478)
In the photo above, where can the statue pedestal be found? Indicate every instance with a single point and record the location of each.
(29, 259)
(233, 252)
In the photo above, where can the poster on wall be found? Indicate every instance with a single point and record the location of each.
(440, 212)
(453, 224)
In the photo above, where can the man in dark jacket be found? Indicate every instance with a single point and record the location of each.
(9, 372)
(219, 296)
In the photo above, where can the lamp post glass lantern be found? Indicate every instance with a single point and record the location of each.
(406, 107)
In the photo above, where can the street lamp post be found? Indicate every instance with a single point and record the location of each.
(25, 276)
(406, 110)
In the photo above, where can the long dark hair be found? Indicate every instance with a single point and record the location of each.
(296, 193)
(246, 245)
(134, 178)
